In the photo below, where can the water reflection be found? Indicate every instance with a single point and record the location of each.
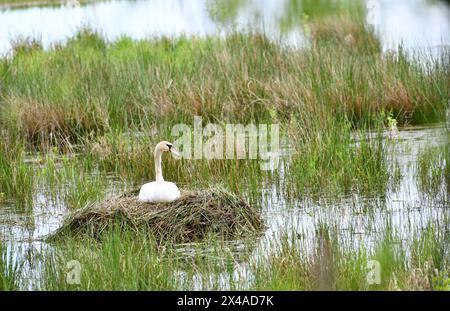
(416, 23)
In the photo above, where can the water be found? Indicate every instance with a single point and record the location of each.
(355, 220)
(418, 24)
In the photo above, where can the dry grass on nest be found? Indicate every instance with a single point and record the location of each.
(192, 217)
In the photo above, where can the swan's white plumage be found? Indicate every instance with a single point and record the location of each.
(159, 191)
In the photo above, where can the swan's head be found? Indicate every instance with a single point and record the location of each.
(166, 146)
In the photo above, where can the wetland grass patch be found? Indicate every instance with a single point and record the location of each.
(420, 264)
(16, 176)
(126, 261)
(432, 172)
(90, 86)
(9, 270)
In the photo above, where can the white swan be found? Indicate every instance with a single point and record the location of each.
(159, 190)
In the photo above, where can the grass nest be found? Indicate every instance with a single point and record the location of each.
(194, 216)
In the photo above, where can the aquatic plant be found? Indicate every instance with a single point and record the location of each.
(9, 270)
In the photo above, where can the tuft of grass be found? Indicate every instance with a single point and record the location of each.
(345, 33)
(73, 177)
(339, 160)
(16, 176)
(121, 262)
(432, 170)
(9, 270)
(25, 45)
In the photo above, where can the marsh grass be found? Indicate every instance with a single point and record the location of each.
(340, 161)
(126, 261)
(120, 262)
(9, 270)
(335, 268)
(73, 177)
(90, 85)
(99, 95)
(16, 176)
(432, 171)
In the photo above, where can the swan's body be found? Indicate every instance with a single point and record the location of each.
(159, 190)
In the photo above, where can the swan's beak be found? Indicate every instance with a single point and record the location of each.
(174, 152)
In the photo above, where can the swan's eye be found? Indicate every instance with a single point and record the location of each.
(169, 145)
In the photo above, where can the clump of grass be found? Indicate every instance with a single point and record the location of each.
(346, 33)
(430, 259)
(72, 177)
(87, 37)
(9, 270)
(123, 261)
(25, 45)
(195, 215)
(338, 160)
(16, 176)
(431, 171)
(43, 125)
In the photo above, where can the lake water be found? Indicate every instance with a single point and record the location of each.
(418, 24)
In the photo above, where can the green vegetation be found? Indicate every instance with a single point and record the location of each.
(82, 119)
(16, 177)
(90, 87)
(333, 268)
(125, 261)
(92, 95)
(433, 171)
(9, 270)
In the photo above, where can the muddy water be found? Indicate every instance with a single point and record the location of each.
(419, 24)
(354, 220)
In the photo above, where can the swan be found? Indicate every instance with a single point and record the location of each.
(159, 190)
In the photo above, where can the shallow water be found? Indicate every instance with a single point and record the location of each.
(418, 24)
(353, 220)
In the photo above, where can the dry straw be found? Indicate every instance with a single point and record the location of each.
(195, 215)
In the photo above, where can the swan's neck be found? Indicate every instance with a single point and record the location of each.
(158, 170)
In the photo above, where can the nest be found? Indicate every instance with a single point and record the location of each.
(195, 215)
